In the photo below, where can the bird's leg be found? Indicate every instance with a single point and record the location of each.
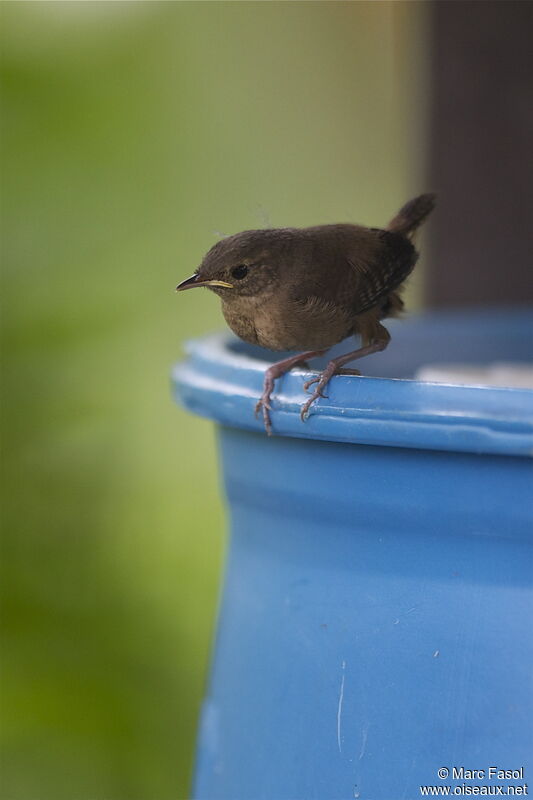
(335, 364)
(276, 371)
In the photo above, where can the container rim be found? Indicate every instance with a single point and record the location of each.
(222, 380)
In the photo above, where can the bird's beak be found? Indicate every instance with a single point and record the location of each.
(190, 283)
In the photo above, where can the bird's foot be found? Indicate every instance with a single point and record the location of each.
(318, 391)
(341, 371)
(263, 404)
(276, 371)
(322, 380)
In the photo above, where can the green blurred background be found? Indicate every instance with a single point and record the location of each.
(132, 132)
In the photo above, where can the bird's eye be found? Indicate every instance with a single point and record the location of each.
(239, 272)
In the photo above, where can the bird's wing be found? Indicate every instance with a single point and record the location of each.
(390, 264)
(360, 267)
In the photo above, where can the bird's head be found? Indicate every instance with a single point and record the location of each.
(246, 264)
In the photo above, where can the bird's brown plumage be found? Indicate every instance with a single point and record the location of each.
(310, 288)
(325, 280)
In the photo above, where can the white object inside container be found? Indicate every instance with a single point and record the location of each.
(505, 374)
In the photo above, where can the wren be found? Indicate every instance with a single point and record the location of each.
(307, 289)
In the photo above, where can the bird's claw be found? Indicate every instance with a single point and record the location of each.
(307, 384)
(322, 381)
(304, 412)
(264, 404)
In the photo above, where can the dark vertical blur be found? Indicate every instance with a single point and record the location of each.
(480, 153)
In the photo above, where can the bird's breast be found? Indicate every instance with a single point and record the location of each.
(262, 326)
(282, 325)
(241, 320)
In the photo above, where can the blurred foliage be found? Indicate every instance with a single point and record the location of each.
(131, 133)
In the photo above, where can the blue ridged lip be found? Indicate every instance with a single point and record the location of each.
(222, 379)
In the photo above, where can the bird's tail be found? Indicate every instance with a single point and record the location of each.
(412, 215)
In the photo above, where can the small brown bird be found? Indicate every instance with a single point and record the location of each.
(309, 288)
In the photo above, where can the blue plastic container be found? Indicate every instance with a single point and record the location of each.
(375, 623)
